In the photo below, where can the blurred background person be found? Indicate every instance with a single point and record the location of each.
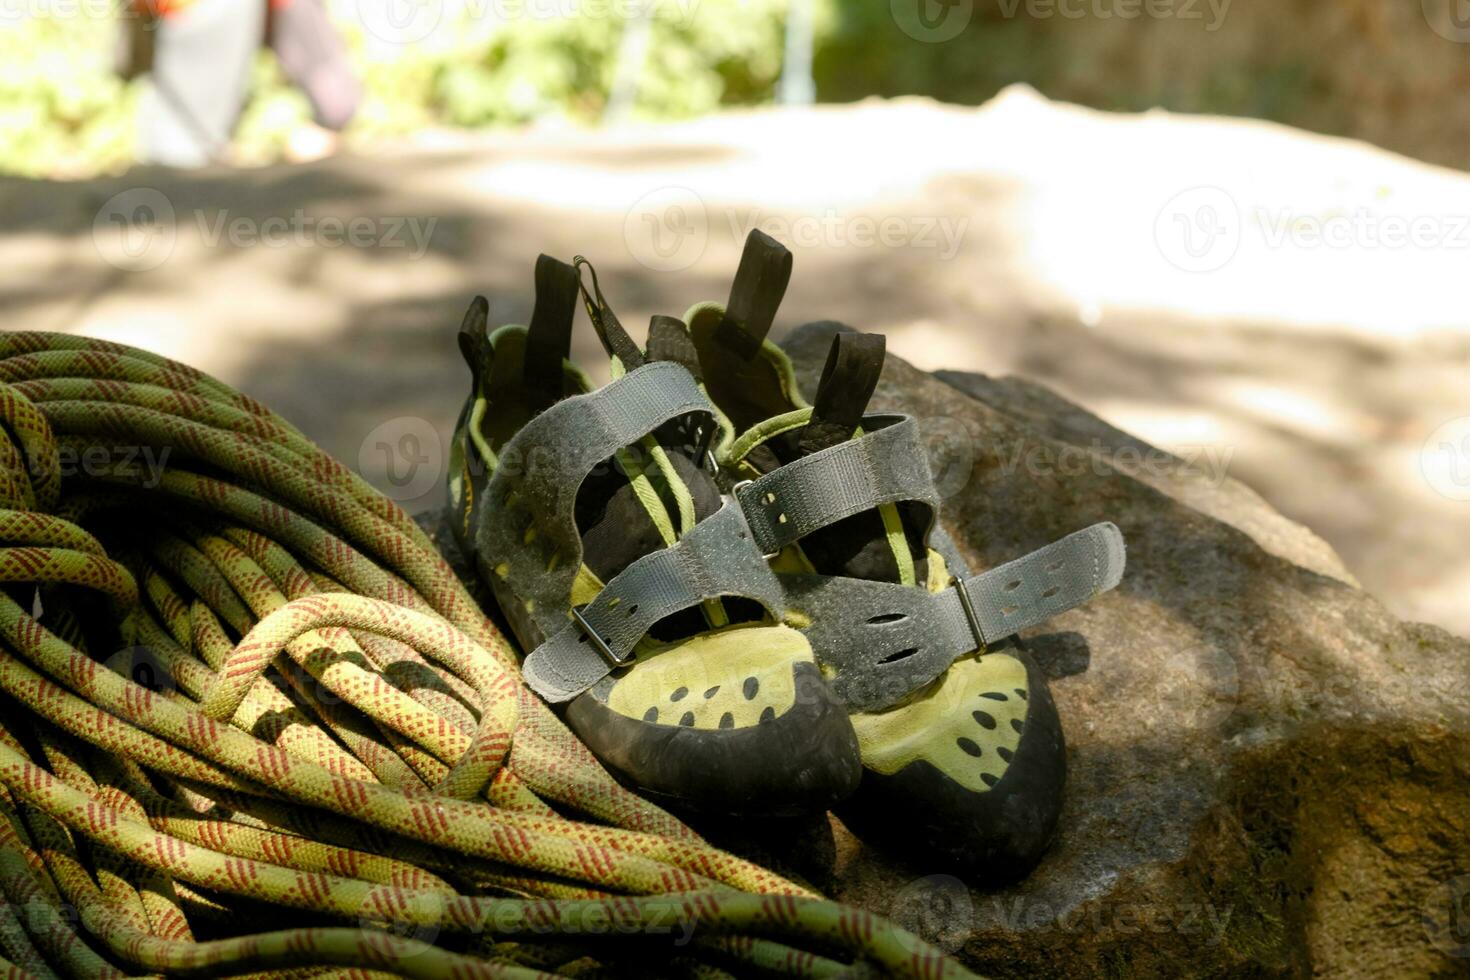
(196, 59)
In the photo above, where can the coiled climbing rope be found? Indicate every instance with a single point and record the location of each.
(252, 722)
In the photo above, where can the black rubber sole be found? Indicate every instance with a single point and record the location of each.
(804, 761)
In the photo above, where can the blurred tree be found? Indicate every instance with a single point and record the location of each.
(517, 62)
(798, 87)
(865, 51)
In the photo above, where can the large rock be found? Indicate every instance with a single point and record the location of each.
(1269, 774)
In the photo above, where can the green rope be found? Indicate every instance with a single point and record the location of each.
(330, 736)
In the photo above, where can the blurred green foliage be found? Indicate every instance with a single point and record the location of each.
(861, 53)
(62, 110)
(520, 62)
(64, 113)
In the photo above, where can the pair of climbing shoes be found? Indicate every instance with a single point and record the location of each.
(744, 603)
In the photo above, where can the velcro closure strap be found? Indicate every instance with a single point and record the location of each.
(883, 641)
(884, 466)
(549, 457)
(718, 557)
(540, 470)
(1030, 590)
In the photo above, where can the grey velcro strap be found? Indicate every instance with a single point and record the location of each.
(883, 466)
(1030, 590)
(718, 557)
(551, 454)
(539, 471)
(883, 640)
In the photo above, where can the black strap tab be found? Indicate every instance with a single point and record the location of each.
(669, 340)
(549, 336)
(473, 343)
(854, 363)
(760, 283)
(615, 339)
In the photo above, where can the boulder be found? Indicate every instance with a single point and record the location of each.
(1269, 774)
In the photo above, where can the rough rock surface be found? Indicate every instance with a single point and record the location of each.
(1269, 774)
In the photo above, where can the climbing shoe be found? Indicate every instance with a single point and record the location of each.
(963, 755)
(636, 590)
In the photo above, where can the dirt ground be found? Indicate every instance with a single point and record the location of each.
(1276, 306)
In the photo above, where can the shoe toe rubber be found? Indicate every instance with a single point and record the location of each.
(737, 722)
(973, 779)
